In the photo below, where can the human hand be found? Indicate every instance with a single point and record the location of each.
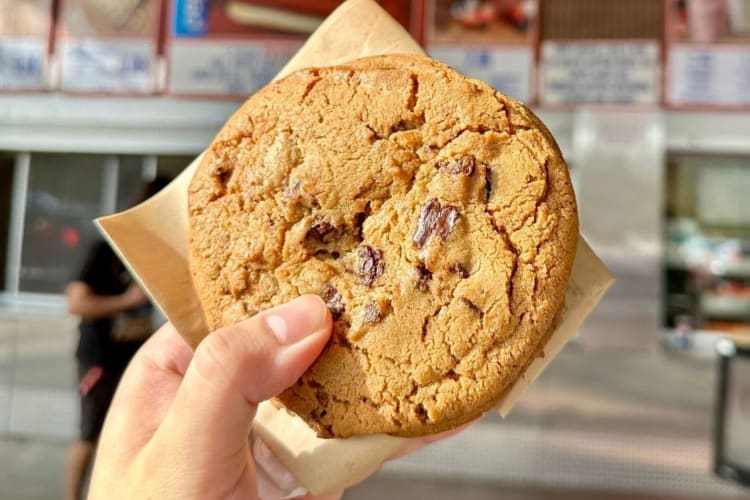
(179, 424)
(134, 296)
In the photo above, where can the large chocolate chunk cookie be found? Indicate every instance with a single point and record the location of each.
(433, 214)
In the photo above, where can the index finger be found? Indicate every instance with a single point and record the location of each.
(147, 389)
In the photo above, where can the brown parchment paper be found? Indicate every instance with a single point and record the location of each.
(152, 240)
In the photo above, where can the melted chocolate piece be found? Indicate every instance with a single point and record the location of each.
(446, 222)
(435, 219)
(460, 270)
(462, 166)
(426, 222)
(371, 264)
(421, 413)
(322, 397)
(423, 276)
(320, 229)
(333, 300)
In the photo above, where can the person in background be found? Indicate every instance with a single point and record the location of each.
(116, 319)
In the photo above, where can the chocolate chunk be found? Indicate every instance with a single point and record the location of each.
(372, 313)
(459, 269)
(462, 166)
(333, 300)
(434, 219)
(423, 276)
(446, 222)
(322, 397)
(371, 264)
(421, 413)
(426, 223)
(320, 229)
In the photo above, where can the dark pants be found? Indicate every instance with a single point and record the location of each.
(95, 403)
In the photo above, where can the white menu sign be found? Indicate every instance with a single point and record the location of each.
(507, 68)
(225, 67)
(616, 72)
(23, 63)
(107, 65)
(716, 75)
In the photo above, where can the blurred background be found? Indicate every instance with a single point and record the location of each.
(650, 103)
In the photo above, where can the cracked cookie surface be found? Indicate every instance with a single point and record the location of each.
(434, 215)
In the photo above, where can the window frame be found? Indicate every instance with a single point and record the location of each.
(727, 350)
(12, 298)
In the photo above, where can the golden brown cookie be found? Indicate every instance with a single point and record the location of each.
(433, 214)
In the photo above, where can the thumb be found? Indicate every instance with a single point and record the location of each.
(233, 370)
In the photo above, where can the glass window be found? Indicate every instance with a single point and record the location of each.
(129, 181)
(64, 196)
(707, 245)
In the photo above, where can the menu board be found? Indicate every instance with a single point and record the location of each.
(708, 54)
(234, 47)
(25, 27)
(595, 52)
(109, 46)
(490, 40)
(604, 72)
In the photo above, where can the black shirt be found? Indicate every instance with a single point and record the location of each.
(105, 275)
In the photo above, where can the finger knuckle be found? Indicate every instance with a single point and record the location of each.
(234, 353)
(213, 356)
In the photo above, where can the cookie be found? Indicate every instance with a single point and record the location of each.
(434, 215)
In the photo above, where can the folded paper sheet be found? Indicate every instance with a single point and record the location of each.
(152, 239)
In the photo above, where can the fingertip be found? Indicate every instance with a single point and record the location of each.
(317, 304)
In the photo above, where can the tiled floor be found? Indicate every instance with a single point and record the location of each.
(621, 420)
(32, 470)
(398, 488)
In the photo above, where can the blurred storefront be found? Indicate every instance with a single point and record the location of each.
(648, 99)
